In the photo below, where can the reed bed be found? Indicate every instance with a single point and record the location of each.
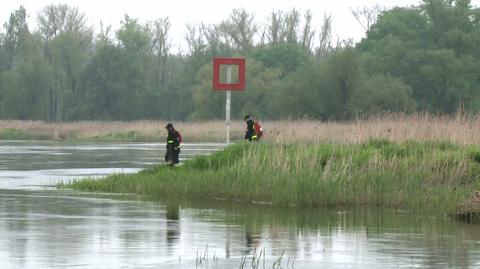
(460, 129)
(207, 131)
(417, 175)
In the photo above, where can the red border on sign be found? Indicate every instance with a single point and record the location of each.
(217, 85)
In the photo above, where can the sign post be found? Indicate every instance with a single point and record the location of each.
(228, 85)
(228, 104)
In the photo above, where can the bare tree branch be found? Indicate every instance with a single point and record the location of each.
(366, 16)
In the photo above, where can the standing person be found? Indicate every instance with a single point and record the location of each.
(173, 145)
(250, 134)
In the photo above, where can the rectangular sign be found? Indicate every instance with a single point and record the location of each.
(238, 85)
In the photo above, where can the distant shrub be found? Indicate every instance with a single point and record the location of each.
(13, 134)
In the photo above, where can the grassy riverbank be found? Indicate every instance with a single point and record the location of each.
(436, 176)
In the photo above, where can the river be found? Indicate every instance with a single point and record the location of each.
(42, 227)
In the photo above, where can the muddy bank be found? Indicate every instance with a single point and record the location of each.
(469, 210)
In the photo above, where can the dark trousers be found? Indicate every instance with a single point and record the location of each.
(172, 154)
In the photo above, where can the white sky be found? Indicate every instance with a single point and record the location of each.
(181, 12)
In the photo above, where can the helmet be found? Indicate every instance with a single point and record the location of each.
(169, 126)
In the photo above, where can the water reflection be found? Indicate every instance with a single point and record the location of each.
(44, 229)
(354, 238)
(173, 224)
(252, 237)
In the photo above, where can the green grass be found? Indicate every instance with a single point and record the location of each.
(19, 134)
(131, 136)
(417, 175)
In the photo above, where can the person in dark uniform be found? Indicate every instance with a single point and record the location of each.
(250, 134)
(173, 145)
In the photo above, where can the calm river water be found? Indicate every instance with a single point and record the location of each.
(41, 227)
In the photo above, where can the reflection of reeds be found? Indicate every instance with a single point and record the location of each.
(425, 175)
(460, 129)
(202, 260)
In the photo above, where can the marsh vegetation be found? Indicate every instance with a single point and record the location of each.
(416, 175)
(459, 129)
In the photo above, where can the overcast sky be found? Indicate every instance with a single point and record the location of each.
(181, 12)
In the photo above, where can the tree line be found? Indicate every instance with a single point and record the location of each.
(417, 58)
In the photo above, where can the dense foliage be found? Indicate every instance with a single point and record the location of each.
(419, 58)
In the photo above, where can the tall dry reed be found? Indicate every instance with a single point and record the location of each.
(397, 128)
(460, 129)
(141, 130)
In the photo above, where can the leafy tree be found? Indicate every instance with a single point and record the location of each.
(343, 71)
(319, 90)
(285, 57)
(69, 57)
(382, 94)
(430, 48)
(67, 39)
(24, 87)
(174, 101)
(3, 57)
(100, 89)
(15, 32)
(134, 62)
(261, 84)
(445, 80)
(208, 104)
(300, 94)
(424, 57)
(453, 24)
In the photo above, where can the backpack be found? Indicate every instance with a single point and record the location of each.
(258, 128)
(180, 140)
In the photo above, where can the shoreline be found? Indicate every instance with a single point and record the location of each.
(435, 176)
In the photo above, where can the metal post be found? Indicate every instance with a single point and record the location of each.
(228, 104)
